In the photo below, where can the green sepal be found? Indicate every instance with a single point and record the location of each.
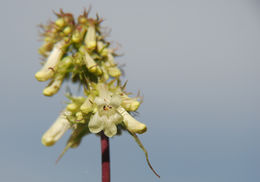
(138, 141)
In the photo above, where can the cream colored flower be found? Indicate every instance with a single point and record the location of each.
(57, 130)
(110, 112)
(55, 84)
(131, 123)
(54, 87)
(51, 64)
(107, 117)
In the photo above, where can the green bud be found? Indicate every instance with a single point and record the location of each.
(67, 30)
(76, 37)
(73, 107)
(114, 71)
(104, 52)
(110, 59)
(90, 63)
(60, 22)
(87, 106)
(79, 117)
(82, 20)
(90, 38)
(130, 104)
(98, 71)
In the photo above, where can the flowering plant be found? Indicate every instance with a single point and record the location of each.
(78, 51)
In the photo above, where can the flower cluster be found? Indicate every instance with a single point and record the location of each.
(78, 51)
(75, 50)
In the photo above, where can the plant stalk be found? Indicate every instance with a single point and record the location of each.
(105, 158)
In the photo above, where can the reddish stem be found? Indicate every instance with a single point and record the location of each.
(105, 158)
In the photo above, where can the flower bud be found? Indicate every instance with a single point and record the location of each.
(64, 64)
(73, 107)
(76, 37)
(54, 87)
(90, 63)
(50, 66)
(82, 20)
(78, 34)
(90, 39)
(67, 30)
(130, 104)
(55, 132)
(99, 71)
(110, 59)
(87, 106)
(114, 71)
(45, 48)
(79, 117)
(131, 123)
(60, 22)
(105, 74)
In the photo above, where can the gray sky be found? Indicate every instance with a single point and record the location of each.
(195, 61)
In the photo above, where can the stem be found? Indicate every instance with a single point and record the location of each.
(105, 158)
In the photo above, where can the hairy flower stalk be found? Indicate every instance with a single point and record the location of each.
(76, 50)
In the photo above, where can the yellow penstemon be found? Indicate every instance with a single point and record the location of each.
(78, 51)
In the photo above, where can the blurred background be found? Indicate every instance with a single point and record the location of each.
(197, 64)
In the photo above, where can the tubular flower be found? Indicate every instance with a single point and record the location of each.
(109, 113)
(130, 104)
(55, 84)
(90, 39)
(89, 61)
(131, 124)
(51, 64)
(107, 117)
(87, 106)
(55, 132)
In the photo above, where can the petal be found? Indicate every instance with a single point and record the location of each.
(115, 118)
(115, 101)
(131, 123)
(99, 101)
(110, 130)
(96, 123)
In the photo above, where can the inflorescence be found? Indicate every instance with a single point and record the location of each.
(78, 51)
